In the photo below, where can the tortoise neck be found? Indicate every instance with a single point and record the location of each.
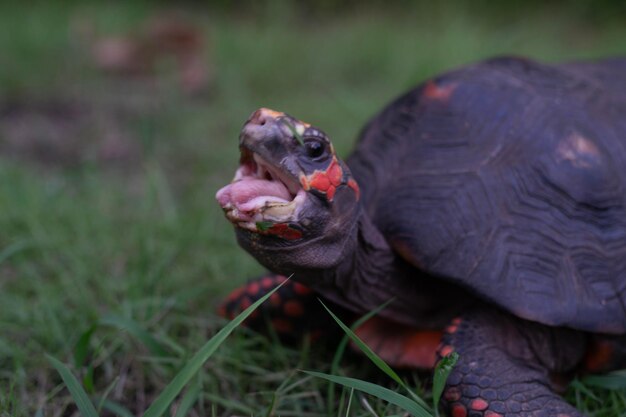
(364, 279)
(371, 274)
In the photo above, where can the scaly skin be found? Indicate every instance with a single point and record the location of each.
(293, 312)
(505, 366)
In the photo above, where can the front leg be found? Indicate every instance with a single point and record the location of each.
(505, 366)
(293, 312)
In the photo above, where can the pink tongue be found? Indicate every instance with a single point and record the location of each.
(241, 192)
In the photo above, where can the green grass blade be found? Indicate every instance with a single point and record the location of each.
(614, 380)
(341, 348)
(442, 371)
(137, 331)
(366, 349)
(163, 401)
(384, 394)
(344, 341)
(84, 404)
(15, 248)
(117, 409)
(190, 398)
(382, 365)
(294, 132)
(81, 349)
(579, 387)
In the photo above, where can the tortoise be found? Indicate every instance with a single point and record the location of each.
(489, 203)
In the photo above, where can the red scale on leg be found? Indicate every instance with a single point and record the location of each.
(293, 308)
(446, 350)
(268, 283)
(282, 325)
(275, 300)
(301, 289)
(235, 294)
(458, 410)
(452, 394)
(253, 288)
(245, 303)
(479, 404)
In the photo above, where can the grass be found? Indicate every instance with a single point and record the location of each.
(115, 267)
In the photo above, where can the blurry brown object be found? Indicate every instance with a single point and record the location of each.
(66, 134)
(162, 41)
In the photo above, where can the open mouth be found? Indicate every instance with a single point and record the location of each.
(260, 195)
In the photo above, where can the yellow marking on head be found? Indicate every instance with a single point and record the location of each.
(272, 113)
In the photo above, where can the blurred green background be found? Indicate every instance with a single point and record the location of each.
(118, 123)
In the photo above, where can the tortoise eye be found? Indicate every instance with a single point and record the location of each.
(314, 149)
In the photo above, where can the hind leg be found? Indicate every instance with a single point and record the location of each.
(506, 366)
(292, 312)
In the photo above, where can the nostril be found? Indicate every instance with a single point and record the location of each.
(263, 116)
(257, 118)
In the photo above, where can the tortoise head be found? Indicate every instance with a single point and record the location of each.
(293, 201)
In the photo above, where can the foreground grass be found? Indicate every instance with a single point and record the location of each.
(116, 269)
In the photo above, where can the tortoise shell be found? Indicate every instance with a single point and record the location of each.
(508, 177)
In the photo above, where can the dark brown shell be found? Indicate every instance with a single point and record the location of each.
(509, 178)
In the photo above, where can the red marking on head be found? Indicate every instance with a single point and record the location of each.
(458, 410)
(283, 230)
(267, 283)
(253, 288)
(275, 300)
(293, 308)
(334, 173)
(433, 91)
(490, 413)
(301, 289)
(304, 182)
(446, 350)
(282, 325)
(326, 181)
(479, 404)
(320, 181)
(330, 194)
(599, 356)
(452, 394)
(352, 184)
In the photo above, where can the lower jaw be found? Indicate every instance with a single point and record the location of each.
(287, 229)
